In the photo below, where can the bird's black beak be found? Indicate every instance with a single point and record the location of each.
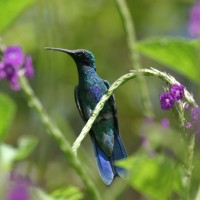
(70, 52)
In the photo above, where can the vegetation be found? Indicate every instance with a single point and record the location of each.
(149, 52)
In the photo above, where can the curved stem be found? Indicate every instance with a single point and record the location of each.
(59, 138)
(135, 57)
(146, 72)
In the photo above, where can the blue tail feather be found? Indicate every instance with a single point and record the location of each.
(119, 153)
(104, 164)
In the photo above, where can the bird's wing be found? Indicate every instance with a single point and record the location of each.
(119, 151)
(103, 161)
(78, 103)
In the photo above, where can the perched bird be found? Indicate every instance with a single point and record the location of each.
(105, 136)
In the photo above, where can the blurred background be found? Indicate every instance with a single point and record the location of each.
(96, 26)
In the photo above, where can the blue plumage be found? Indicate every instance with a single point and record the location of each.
(108, 146)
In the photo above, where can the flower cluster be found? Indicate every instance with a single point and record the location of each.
(12, 62)
(194, 20)
(168, 99)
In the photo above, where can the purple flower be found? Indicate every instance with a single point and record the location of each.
(19, 188)
(165, 122)
(13, 62)
(144, 142)
(177, 91)
(195, 119)
(10, 71)
(188, 125)
(14, 55)
(2, 72)
(14, 83)
(195, 114)
(186, 105)
(28, 67)
(194, 20)
(166, 101)
(18, 192)
(12, 76)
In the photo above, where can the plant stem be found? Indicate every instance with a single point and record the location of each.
(59, 138)
(189, 163)
(134, 73)
(135, 57)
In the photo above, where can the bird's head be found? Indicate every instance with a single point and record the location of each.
(82, 57)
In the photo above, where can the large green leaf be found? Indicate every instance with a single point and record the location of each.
(7, 111)
(182, 55)
(157, 177)
(10, 9)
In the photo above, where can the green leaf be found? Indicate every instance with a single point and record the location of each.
(10, 9)
(38, 194)
(181, 55)
(25, 147)
(157, 177)
(9, 154)
(198, 194)
(69, 193)
(7, 111)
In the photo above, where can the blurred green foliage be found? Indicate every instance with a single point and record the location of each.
(158, 177)
(7, 111)
(10, 10)
(180, 54)
(96, 25)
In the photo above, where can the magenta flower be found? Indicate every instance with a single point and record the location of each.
(18, 187)
(13, 62)
(18, 192)
(195, 114)
(166, 101)
(12, 76)
(188, 125)
(194, 122)
(165, 122)
(194, 20)
(10, 71)
(28, 67)
(177, 91)
(144, 142)
(186, 105)
(14, 55)
(2, 72)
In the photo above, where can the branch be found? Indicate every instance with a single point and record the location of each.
(146, 72)
(134, 55)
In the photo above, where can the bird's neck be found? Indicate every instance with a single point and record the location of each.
(85, 74)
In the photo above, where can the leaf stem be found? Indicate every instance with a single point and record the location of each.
(189, 163)
(59, 138)
(134, 55)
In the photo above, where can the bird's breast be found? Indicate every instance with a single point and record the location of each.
(95, 93)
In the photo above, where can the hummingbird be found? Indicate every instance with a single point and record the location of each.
(108, 145)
